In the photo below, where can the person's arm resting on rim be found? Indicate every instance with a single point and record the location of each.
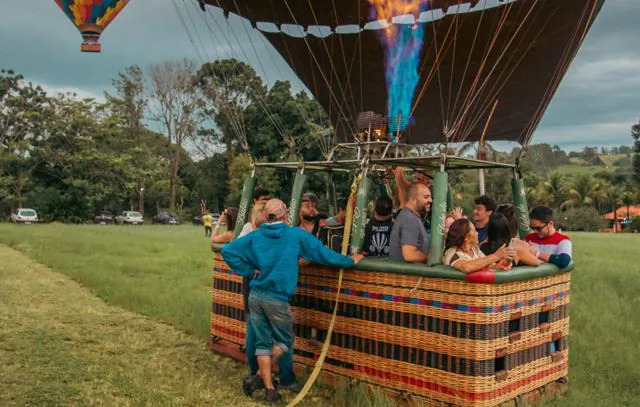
(560, 260)
(411, 254)
(313, 250)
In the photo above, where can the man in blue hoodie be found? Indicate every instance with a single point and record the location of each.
(273, 252)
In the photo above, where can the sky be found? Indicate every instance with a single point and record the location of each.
(596, 104)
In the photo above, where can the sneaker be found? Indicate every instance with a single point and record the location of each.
(251, 384)
(294, 387)
(272, 396)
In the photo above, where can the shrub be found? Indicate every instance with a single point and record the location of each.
(583, 218)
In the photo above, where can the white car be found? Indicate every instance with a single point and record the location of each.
(129, 218)
(24, 215)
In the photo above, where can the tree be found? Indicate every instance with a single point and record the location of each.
(228, 87)
(635, 133)
(555, 187)
(239, 169)
(130, 101)
(24, 113)
(628, 199)
(173, 95)
(583, 189)
(613, 194)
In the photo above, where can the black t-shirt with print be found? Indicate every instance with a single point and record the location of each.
(376, 237)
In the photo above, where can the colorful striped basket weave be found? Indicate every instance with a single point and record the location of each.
(426, 332)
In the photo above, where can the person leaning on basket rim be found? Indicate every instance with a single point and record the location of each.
(274, 250)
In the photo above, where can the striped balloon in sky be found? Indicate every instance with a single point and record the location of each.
(91, 17)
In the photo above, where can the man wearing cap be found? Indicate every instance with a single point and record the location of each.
(312, 220)
(274, 250)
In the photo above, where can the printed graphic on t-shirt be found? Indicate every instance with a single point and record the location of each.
(378, 244)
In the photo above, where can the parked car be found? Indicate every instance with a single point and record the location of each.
(130, 218)
(25, 216)
(166, 218)
(196, 221)
(105, 218)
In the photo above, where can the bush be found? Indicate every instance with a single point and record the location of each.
(635, 224)
(585, 219)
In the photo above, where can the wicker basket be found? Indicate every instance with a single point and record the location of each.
(441, 339)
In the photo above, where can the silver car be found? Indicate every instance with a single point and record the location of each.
(129, 218)
(25, 216)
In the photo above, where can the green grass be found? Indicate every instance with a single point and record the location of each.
(60, 345)
(575, 169)
(164, 273)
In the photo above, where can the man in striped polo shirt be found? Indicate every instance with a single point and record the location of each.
(547, 244)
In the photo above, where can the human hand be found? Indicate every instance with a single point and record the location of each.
(356, 258)
(457, 213)
(501, 253)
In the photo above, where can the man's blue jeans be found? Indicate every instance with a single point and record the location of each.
(270, 323)
(285, 363)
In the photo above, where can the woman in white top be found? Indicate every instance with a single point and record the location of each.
(463, 251)
(257, 218)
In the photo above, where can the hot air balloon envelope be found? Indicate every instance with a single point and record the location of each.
(91, 17)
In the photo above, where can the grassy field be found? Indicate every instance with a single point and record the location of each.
(578, 166)
(164, 273)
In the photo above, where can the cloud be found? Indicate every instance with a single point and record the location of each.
(597, 102)
(599, 99)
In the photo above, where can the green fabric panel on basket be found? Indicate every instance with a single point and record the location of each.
(438, 214)
(520, 205)
(245, 204)
(360, 215)
(299, 184)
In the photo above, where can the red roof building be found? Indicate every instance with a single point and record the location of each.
(622, 215)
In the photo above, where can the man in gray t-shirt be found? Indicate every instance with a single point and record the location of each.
(409, 240)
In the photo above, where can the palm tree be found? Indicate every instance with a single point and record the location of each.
(555, 187)
(627, 200)
(613, 194)
(489, 151)
(583, 191)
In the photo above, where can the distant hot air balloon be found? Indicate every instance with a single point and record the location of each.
(91, 17)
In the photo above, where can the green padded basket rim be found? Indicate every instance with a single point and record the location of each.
(385, 265)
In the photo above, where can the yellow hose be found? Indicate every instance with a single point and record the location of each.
(327, 342)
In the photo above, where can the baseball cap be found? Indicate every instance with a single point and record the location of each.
(275, 210)
(310, 197)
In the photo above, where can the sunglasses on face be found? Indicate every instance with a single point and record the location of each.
(538, 228)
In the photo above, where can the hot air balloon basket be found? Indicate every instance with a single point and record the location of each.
(438, 340)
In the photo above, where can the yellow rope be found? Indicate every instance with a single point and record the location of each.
(325, 348)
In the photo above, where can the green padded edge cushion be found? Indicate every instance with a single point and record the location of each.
(386, 265)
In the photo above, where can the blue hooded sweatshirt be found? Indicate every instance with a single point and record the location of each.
(274, 249)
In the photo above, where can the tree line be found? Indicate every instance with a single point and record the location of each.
(181, 137)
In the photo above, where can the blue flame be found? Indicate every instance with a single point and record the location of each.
(402, 64)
